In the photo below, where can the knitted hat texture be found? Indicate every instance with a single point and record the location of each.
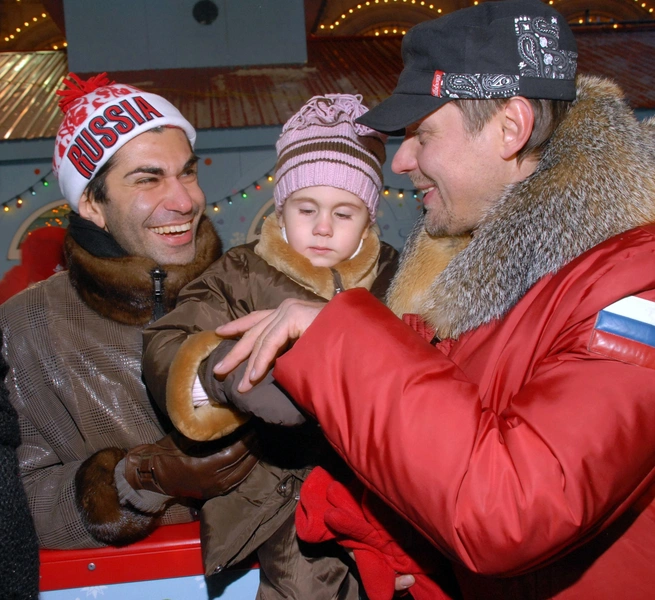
(100, 118)
(323, 145)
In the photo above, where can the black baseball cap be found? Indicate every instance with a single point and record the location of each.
(492, 50)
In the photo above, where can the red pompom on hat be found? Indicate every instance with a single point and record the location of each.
(78, 88)
(101, 116)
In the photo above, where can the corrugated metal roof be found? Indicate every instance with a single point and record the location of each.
(627, 57)
(269, 95)
(28, 104)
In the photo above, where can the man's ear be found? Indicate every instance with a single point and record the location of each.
(92, 211)
(518, 122)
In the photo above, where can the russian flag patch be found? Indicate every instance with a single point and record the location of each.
(625, 331)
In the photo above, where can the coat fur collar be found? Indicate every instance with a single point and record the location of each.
(594, 180)
(121, 289)
(359, 271)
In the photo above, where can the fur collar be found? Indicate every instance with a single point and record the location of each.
(359, 271)
(121, 289)
(594, 180)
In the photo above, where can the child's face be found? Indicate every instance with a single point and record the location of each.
(325, 224)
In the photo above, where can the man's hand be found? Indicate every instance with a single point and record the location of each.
(265, 335)
(402, 582)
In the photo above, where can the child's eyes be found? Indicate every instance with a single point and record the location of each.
(344, 215)
(306, 211)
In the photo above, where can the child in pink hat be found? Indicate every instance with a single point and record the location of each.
(321, 241)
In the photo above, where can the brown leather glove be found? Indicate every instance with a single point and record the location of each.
(182, 468)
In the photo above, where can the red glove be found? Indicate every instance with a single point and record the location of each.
(351, 516)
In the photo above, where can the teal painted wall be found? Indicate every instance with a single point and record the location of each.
(132, 35)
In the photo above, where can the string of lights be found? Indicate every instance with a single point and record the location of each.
(373, 3)
(243, 193)
(19, 199)
(432, 6)
(34, 22)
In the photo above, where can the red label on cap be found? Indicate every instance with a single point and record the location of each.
(436, 83)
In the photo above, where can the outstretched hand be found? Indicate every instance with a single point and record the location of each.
(265, 334)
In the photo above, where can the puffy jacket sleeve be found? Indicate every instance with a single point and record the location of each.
(177, 347)
(500, 491)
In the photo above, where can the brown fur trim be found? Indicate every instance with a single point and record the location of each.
(97, 500)
(594, 180)
(121, 289)
(359, 271)
(203, 423)
(420, 264)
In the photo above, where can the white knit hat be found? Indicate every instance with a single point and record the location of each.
(100, 117)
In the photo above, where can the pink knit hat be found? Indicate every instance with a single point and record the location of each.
(101, 117)
(323, 145)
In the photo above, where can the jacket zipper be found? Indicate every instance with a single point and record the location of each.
(158, 275)
(338, 284)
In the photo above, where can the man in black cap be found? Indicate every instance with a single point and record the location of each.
(516, 430)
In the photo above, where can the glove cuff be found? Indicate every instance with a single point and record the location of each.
(146, 501)
(100, 509)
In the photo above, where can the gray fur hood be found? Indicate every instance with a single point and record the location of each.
(596, 179)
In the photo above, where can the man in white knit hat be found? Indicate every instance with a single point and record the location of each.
(125, 163)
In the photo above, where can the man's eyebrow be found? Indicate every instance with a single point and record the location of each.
(191, 162)
(159, 171)
(144, 169)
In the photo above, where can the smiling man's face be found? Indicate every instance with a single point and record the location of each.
(460, 175)
(154, 202)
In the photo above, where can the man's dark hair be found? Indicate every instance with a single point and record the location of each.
(548, 114)
(97, 187)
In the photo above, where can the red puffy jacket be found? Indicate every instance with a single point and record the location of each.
(525, 450)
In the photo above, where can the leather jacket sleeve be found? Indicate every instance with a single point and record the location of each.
(50, 488)
(55, 491)
(61, 405)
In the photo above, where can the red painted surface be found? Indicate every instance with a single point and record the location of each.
(171, 551)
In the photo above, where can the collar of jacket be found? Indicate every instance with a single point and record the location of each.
(594, 181)
(122, 289)
(359, 271)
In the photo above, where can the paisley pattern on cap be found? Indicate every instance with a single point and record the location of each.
(538, 40)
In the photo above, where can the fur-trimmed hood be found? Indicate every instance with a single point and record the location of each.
(595, 180)
(359, 271)
(121, 289)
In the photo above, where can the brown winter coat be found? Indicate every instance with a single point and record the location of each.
(74, 344)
